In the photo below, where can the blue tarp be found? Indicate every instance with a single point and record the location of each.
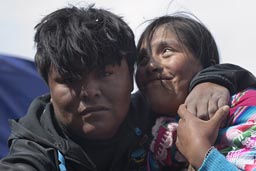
(20, 83)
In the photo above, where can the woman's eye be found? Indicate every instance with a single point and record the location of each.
(167, 52)
(143, 57)
(143, 60)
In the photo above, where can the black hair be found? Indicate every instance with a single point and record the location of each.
(191, 33)
(76, 41)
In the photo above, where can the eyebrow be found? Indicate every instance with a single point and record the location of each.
(168, 43)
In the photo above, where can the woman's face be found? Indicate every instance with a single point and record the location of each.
(164, 76)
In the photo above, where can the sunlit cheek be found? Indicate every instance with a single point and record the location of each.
(67, 99)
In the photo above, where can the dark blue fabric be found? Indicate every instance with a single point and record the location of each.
(20, 83)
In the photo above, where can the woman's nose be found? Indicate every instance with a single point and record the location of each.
(154, 67)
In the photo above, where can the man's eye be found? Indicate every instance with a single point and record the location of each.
(105, 73)
(66, 81)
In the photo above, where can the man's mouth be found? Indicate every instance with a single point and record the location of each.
(93, 109)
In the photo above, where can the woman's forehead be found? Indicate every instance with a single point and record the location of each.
(162, 35)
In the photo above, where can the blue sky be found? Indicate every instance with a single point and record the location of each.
(232, 22)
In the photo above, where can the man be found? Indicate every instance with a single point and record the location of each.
(86, 56)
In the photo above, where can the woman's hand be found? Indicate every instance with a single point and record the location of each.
(206, 98)
(196, 136)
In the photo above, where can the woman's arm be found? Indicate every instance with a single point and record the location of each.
(216, 161)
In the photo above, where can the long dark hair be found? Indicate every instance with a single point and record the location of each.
(191, 33)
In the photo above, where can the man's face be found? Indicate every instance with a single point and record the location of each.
(95, 106)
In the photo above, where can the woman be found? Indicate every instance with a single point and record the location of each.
(172, 50)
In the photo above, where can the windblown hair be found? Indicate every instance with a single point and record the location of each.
(191, 33)
(76, 41)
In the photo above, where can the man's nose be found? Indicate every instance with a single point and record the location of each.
(90, 89)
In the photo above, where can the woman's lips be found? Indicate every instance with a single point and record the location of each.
(162, 78)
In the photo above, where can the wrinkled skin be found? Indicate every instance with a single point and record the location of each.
(95, 106)
(206, 98)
